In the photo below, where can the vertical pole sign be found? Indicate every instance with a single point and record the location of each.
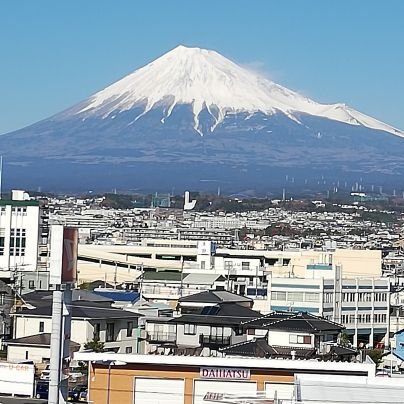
(63, 275)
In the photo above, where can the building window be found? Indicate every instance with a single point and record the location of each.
(2, 240)
(245, 265)
(128, 349)
(295, 296)
(279, 296)
(311, 297)
(202, 264)
(2, 298)
(26, 355)
(228, 266)
(2, 210)
(299, 339)
(96, 333)
(110, 332)
(129, 329)
(41, 326)
(17, 242)
(251, 331)
(216, 331)
(348, 297)
(189, 329)
(31, 284)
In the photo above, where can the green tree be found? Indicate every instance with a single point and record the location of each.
(344, 339)
(95, 345)
(376, 356)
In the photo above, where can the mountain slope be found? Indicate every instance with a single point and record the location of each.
(195, 108)
(205, 79)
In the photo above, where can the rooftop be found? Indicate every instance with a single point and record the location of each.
(214, 296)
(361, 369)
(43, 340)
(4, 202)
(299, 321)
(82, 310)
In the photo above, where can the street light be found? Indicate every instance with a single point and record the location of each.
(110, 364)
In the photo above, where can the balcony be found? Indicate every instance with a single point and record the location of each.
(161, 337)
(214, 341)
(319, 267)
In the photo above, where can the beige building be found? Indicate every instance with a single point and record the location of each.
(123, 262)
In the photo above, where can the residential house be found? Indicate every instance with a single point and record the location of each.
(115, 327)
(291, 335)
(208, 320)
(35, 348)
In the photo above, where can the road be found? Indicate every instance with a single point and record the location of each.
(19, 400)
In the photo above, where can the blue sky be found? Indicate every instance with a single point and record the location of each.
(56, 53)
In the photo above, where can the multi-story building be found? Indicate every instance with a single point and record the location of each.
(19, 233)
(23, 252)
(361, 305)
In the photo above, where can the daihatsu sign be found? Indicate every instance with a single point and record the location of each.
(225, 373)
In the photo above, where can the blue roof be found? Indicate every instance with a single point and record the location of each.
(118, 295)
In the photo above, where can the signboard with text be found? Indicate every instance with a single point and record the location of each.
(224, 373)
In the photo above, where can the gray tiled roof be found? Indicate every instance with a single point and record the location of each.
(36, 340)
(83, 310)
(214, 296)
(293, 321)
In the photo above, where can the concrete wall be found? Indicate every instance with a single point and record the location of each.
(17, 353)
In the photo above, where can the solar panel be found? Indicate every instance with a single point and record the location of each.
(210, 310)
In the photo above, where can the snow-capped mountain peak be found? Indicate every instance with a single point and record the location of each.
(207, 80)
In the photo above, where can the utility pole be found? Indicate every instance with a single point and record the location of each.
(141, 282)
(1, 174)
(182, 275)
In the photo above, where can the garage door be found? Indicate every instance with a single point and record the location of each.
(284, 391)
(150, 390)
(201, 387)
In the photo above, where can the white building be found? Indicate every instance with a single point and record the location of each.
(116, 328)
(361, 305)
(19, 233)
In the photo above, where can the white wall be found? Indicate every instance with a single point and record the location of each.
(17, 353)
(17, 220)
(282, 338)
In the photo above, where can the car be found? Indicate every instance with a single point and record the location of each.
(45, 374)
(83, 395)
(75, 374)
(42, 390)
(74, 393)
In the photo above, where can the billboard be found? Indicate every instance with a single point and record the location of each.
(63, 254)
(17, 378)
(69, 257)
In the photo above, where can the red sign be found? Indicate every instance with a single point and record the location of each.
(69, 261)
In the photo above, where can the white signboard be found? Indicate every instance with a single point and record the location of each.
(17, 379)
(224, 373)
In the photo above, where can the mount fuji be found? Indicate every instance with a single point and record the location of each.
(193, 117)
